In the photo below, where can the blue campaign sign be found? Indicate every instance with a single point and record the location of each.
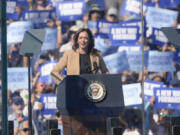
(134, 6)
(131, 93)
(50, 39)
(49, 104)
(70, 11)
(103, 27)
(16, 30)
(137, 23)
(149, 88)
(135, 60)
(10, 8)
(55, 2)
(116, 62)
(17, 78)
(160, 61)
(22, 3)
(130, 47)
(111, 50)
(169, 3)
(159, 17)
(45, 70)
(14, 16)
(131, 7)
(39, 18)
(158, 37)
(168, 98)
(124, 34)
(11, 12)
(101, 45)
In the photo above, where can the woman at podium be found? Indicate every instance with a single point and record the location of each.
(82, 59)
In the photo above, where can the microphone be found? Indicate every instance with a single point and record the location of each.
(96, 68)
(88, 68)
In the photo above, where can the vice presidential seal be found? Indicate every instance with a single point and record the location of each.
(95, 91)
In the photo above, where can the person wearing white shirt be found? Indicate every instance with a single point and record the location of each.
(68, 46)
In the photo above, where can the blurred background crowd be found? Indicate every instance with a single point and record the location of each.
(97, 16)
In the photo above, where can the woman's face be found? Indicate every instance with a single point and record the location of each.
(95, 16)
(83, 40)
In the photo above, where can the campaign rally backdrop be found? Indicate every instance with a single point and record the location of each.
(39, 18)
(130, 47)
(158, 37)
(45, 70)
(50, 40)
(160, 17)
(133, 7)
(160, 61)
(103, 27)
(124, 34)
(132, 60)
(117, 62)
(167, 98)
(70, 11)
(17, 78)
(131, 93)
(49, 104)
(169, 3)
(149, 86)
(16, 30)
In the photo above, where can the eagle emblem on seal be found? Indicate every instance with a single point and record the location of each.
(95, 91)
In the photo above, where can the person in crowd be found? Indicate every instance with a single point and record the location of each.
(18, 14)
(90, 21)
(17, 104)
(80, 61)
(42, 5)
(159, 125)
(14, 58)
(69, 45)
(128, 77)
(112, 15)
(115, 3)
(174, 83)
(17, 116)
(43, 58)
(95, 13)
(149, 112)
(62, 32)
(37, 106)
(79, 52)
(59, 33)
(58, 117)
(24, 129)
(31, 4)
(82, 57)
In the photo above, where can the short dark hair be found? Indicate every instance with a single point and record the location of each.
(90, 36)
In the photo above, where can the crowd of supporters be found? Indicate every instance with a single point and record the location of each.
(156, 119)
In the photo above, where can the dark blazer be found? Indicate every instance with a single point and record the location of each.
(71, 62)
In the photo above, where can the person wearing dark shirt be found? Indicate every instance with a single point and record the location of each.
(82, 59)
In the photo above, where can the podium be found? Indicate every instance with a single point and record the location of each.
(90, 99)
